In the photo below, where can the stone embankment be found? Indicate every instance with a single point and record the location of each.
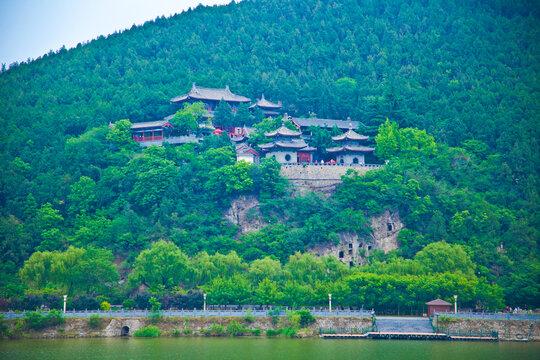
(180, 326)
(322, 178)
(512, 330)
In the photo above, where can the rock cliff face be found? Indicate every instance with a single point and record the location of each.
(353, 249)
(244, 213)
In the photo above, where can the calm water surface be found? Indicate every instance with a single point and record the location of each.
(262, 349)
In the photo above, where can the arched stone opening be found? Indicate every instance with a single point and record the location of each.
(125, 331)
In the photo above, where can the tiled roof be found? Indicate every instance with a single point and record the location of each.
(297, 144)
(283, 131)
(148, 124)
(351, 149)
(350, 135)
(246, 149)
(327, 123)
(263, 103)
(199, 93)
(438, 302)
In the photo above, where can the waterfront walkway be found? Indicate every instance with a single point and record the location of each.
(194, 313)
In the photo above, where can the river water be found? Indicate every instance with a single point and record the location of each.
(262, 349)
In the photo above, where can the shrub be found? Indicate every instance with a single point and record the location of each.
(271, 332)
(294, 318)
(3, 327)
(94, 321)
(446, 318)
(35, 320)
(147, 331)
(235, 329)
(215, 329)
(156, 313)
(289, 331)
(105, 306)
(275, 315)
(128, 304)
(248, 317)
(54, 317)
(306, 318)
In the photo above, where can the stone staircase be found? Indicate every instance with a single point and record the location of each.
(404, 325)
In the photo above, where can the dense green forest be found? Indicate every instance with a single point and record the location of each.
(457, 81)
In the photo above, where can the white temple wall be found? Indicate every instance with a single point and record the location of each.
(281, 156)
(348, 159)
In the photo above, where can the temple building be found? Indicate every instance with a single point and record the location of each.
(349, 150)
(303, 124)
(151, 130)
(211, 97)
(287, 146)
(269, 109)
(246, 153)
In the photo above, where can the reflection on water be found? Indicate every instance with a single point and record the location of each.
(261, 349)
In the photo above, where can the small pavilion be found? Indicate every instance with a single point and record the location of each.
(151, 130)
(269, 108)
(349, 150)
(439, 306)
(287, 146)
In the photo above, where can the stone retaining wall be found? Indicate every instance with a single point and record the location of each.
(319, 177)
(114, 327)
(507, 329)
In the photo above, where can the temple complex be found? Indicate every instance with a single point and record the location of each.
(287, 146)
(349, 150)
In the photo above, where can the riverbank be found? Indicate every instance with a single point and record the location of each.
(508, 330)
(179, 326)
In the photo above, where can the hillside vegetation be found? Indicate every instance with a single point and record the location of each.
(457, 81)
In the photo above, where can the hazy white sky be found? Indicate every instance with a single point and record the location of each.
(30, 28)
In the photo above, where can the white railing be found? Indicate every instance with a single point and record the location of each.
(192, 313)
(483, 315)
(372, 166)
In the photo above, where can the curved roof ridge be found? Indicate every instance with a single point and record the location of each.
(350, 135)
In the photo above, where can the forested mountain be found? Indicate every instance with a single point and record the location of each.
(464, 71)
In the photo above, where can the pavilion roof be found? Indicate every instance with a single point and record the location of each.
(350, 135)
(324, 123)
(200, 93)
(351, 148)
(263, 103)
(296, 145)
(149, 124)
(283, 131)
(246, 149)
(438, 302)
